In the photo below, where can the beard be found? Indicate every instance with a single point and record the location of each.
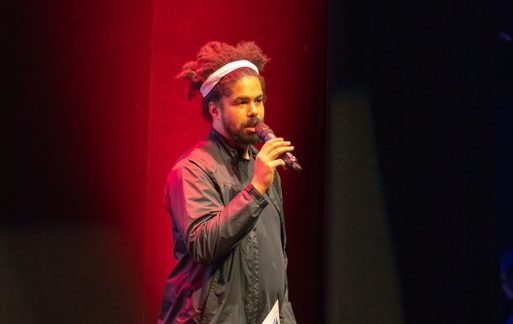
(239, 135)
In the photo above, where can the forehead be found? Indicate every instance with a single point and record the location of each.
(248, 86)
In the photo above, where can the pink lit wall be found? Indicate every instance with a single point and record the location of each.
(293, 34)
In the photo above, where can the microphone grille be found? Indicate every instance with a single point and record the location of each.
(263, 130)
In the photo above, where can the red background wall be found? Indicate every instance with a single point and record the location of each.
(294, 36)
(76, 112)
(96, 120)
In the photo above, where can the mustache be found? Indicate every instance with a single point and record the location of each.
(252, 122)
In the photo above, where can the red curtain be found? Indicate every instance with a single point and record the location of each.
(293, 34)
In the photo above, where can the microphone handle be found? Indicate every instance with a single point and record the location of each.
(291, 161)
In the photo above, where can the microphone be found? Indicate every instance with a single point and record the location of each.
(266, 133)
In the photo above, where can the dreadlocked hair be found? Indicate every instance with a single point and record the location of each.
(214, 55)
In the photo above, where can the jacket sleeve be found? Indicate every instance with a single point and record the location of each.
(209, 228)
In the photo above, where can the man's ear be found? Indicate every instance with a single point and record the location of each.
(214, 110)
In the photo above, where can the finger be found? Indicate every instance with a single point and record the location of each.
(276, 163)
(270, 146)
(272, 142)
(280, 151)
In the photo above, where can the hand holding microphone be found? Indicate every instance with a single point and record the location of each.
(266, 133)
(274, 152)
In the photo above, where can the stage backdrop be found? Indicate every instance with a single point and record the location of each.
(294, 36)
(76, 109)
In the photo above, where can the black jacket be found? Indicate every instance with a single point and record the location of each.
(229, 240)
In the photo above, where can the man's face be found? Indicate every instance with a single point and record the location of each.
(241, 111)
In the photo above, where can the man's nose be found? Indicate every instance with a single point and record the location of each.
(252, 110)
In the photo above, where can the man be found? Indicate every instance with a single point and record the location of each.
(225, 201)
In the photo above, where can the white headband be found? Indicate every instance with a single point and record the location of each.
(214, 78)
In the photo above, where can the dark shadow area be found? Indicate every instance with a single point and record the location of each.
(76, 124)
(432, 74)
(59, 274)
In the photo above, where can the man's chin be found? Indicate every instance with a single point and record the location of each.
(247, 139)
(253, 139)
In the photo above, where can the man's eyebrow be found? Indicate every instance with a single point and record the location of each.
(248, 97)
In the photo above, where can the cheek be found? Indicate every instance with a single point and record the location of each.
(234, 119)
